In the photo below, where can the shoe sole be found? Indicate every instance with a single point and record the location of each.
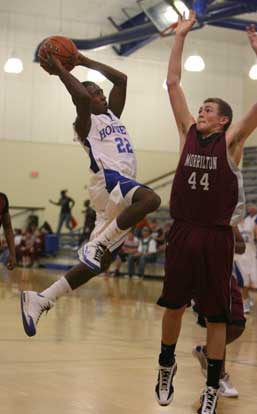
(169, 401)
(28, 328)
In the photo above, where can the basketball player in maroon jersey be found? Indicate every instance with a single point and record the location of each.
(206, 200)
(5, 219)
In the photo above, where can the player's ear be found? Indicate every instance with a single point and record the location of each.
(224, 120)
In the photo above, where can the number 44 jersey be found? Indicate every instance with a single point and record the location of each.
(208, 186)
(109, 146)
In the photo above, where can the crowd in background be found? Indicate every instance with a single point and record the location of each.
(145, 244)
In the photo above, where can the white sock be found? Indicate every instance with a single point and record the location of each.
(57, 289)
(111, 234)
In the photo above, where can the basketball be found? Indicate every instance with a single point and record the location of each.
(61, 47)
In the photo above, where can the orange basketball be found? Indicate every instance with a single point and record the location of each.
(63, 48)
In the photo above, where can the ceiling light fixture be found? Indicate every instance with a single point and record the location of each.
(253, 72)
(194, 63)
(182, 8)
(13, 65)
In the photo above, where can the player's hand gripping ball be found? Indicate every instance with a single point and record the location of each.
(62, 48)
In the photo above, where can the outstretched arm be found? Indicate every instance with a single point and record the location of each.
(239, 132)
(117, 95)
(54, 202)
(183, 117)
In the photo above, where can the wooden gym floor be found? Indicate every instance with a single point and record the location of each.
(96, 352)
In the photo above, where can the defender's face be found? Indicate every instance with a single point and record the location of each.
(99, 102)
(209, 120)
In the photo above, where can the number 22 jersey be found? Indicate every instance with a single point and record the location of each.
(109, 146)
(208, 186)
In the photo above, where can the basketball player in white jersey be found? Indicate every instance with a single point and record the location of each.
(120, 201)
(247, 262)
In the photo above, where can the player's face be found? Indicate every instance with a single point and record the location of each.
(209, 120)
(99, 102)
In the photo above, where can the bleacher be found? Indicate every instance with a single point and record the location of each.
(250, 174)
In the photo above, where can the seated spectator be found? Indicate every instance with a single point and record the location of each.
(29, 246)
(139, 226)
(129, 248)
(46, 228)
(158, 234)
(146, 253)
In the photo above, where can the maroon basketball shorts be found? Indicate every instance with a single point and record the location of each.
(198, 265)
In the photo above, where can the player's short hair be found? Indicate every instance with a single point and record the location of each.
(88, 83)
(224, 109)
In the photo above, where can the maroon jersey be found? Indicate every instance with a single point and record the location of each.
(207, 188)
(4, 206)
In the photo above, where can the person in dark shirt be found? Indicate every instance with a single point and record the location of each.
(89, 221)
(66, 204)
(207, 199)
(5, 220)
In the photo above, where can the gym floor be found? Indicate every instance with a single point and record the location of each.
(96, 352)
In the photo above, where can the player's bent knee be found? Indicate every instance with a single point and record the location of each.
(152, 202)
(234, 331)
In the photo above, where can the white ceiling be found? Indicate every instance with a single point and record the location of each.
(96, 12)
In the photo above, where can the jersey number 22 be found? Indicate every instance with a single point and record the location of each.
(123, 145)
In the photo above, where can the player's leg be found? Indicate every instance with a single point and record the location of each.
(60, 223)
(139, 200)
(68, 221)
(233, 332)
(214, 302)
(175, 295)
(171, 326)
(144, 201)
(33, 304)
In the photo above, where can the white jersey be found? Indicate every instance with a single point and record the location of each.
(109, 146)
(247, 261)
(246, 228)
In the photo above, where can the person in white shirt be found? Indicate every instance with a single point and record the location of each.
(247, 262)
(146, 253)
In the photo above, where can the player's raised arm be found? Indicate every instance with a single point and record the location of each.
(183, 117)
(117, 95)
(241, 130)
(80, 96)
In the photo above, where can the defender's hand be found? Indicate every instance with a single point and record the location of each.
(185, 25)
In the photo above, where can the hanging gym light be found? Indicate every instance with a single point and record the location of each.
(194, 63)
(13, 65)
